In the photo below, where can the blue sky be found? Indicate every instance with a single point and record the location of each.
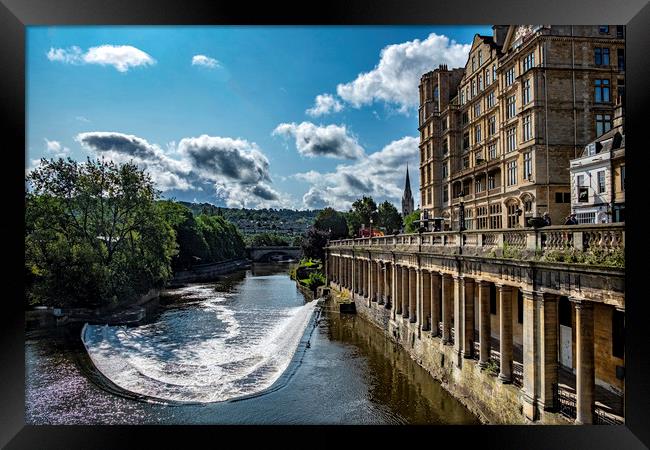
(297, 117)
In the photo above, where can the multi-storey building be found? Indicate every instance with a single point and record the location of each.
(598, 176)
(498, 135)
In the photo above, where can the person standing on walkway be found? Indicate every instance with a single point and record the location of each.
(571, 220)
(547, 219)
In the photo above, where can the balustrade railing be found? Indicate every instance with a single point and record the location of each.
(587, 237)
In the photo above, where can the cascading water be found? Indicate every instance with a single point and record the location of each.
(218, 347)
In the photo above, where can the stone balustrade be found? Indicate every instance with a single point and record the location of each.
(607, 237)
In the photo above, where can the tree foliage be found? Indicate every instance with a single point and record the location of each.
(332, 222)
(389, 218)
(314, 242)
(94, 234)
(409, 225)
(362, 211)
(268, 240)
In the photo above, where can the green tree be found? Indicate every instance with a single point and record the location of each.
(94, 234)
(409, 226)
(192, 246)
(389, 218)
(223, 238)
(269, 240)
(362, 211)
(332, 222)
(313, 243)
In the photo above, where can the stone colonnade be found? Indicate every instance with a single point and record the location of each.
(442, 304)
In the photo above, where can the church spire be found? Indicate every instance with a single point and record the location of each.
(407, 198)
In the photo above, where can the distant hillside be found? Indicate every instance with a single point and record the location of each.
(287, 222)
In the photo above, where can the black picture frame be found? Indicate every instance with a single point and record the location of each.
(15, 15)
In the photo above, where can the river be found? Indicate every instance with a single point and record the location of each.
(244, 349)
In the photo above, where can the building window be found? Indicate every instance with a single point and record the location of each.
(603, 123)
(620, 53)
(466, 140)
(482, 217)
(601, 181)
(492, 151)
(445, 194)
(491, 181)
(623, 178)
(562, 197)
(477, 134)
(487, 77)
(510, 76)
(492, 125)
(473, 88)
(603, 29)
(512, 109)
(620, 31)
(526, 128)
(513, 218)
(495, 216)
(490, 99)
(444, 170)
(601, 93)
(511, 139)
(601, 56)
(583, 191)
(468, 219)
(465, 162)
(588, 217)
(525, 92)
(477, 109)
(480, 58)
(529, 61)
(462, 97)
(528, 206)
(465, 117)
(512, 172)
(494, 72)
(445, 147)
(480, 83)
(478, 185)
(473, 63)
(618, 334)
(528, 165)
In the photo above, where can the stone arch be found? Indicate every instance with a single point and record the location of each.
(511, 201)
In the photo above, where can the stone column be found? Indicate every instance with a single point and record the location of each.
(405, 292)
(484, 322)
(531, 353)
(447, 305)
(413, 295)
(549, 350)
(458, 319)
(435, 306)
(389, 285)
(398, 290)
(425, 321)
(585, 370)
(468, 315)
(372, 286)
(355, 277)
(505, 332)
(383, 289)
(379, 282)
(395, 290)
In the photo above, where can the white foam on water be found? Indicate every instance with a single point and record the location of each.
(184, 358)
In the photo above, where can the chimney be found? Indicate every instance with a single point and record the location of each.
(499, 33)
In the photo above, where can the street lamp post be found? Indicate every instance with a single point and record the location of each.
(461, 212)
(371, 229)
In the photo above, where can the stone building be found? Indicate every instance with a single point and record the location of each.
(407, 197)
(499, 134)
(598, 176)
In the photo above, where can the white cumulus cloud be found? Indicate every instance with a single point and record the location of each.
(380, 175)
(122, 57)
(396, 77)
(206, 61)
(332, 141)
(56, 149)
(324, 104)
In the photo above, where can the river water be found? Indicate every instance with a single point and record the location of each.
(245, 349)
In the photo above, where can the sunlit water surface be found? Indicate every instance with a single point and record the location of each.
(232, 352)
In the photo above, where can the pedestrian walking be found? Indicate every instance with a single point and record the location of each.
(547, 219)
(571, 220)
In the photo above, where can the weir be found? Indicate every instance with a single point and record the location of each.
(504, 327)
